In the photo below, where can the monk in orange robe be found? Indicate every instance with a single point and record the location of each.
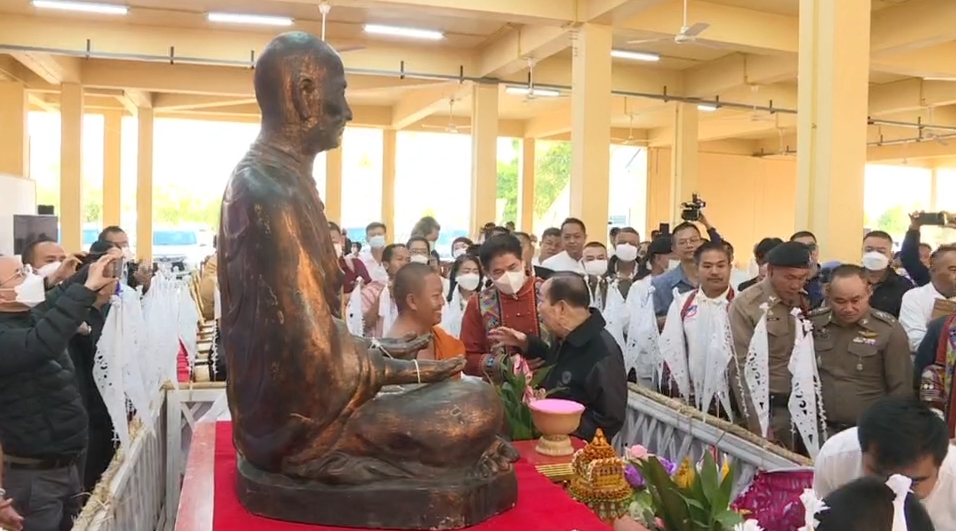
(419, 297)
(512, 302)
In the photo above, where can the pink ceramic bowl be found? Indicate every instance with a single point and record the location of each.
(554, 416)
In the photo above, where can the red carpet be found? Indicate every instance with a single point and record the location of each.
(541, 504)
(182, 364)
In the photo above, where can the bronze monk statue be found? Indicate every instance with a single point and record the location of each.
(318, 441)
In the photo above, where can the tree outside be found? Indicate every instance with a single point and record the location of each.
(552, 175)
(894, 221)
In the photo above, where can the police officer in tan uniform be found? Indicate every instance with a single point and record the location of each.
(862, 353)
(788, 268)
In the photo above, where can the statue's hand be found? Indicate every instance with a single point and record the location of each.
(450, 367)
(405, 347)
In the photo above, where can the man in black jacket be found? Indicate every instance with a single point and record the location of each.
(43, 423)
(584, 363)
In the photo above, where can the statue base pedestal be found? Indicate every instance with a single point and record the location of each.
(405, 504)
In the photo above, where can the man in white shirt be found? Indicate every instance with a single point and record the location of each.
(702, 314)
(376, 234)
(917, 307)
(573, 236)
(895, 436)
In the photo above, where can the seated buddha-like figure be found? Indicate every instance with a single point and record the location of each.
(304, 392)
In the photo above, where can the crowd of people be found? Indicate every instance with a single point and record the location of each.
(579, 307)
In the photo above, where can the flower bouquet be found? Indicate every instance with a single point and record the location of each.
(682, 498)
(516, 391)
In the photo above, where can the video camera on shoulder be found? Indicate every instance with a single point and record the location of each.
(691, 209)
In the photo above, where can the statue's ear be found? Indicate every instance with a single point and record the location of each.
(303, 94)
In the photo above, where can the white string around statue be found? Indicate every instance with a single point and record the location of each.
(161, 307)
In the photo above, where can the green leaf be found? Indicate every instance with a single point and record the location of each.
(728, 519)
(709, 477)
(725, 492)
(672, 506)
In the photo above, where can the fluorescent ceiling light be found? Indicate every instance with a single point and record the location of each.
(410, 33)
(536, 92)
(635, 56)
(261, 20)
(706, 107)
(85, 7)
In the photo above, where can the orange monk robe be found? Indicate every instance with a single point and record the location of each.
(446, 345)
(519, 313)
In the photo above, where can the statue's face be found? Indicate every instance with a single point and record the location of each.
(330, 111)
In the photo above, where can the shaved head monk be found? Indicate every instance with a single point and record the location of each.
(300, 387)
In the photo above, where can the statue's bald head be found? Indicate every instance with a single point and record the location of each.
(300, 82)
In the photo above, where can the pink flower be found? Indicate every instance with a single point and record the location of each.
(520, 367)
(637, 453)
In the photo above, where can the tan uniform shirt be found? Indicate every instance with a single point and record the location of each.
(860, 362)
(745, 312)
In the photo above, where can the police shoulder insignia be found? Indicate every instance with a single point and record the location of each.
(818, 312)
(883, 316)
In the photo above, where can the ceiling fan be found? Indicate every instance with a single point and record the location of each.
(452, 127)
(630, 140)
(687, 35)
(324, 9)
(531, 92)
(928, 134)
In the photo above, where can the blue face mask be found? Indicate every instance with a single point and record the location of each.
(376, 242)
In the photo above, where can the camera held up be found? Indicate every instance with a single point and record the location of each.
(691, 209)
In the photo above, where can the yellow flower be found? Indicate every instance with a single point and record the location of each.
(684, 477)
(725, 469)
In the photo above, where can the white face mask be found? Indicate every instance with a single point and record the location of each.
(673, 264)
(596, 267)
(31, 292)
(128, 254)
(376, 242)
(48, 269)
(458, 252)
(419, 259)
(510, 282)
(874, 261)
(338, 249)
(468, 281)
(626, 252)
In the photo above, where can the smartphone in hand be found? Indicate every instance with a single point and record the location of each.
(933, 218)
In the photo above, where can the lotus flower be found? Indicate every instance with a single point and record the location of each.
(520, 367)
(637, 453)
(634, 477)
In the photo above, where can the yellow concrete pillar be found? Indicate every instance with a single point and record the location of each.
(71, 153)
(658, 189)
(112, 163)
(15, 147)
(333, 185)
(591, 128)
(934, 190)
(144, 185)
(683, 175)
(484, 154)
(526, 189)
(831, 126)
(388, 178)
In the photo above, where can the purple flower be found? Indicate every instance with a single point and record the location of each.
(633, 476)
(669, 466)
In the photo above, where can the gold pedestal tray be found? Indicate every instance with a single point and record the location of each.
(554, 445)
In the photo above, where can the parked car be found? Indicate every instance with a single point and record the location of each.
(180, 248)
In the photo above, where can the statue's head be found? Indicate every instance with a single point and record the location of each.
(300, 86)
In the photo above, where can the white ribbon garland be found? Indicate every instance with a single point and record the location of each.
(673, 348)
(353, 311)
(756, 371)
(805, 405)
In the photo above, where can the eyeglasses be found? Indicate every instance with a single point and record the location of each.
(20, 272)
